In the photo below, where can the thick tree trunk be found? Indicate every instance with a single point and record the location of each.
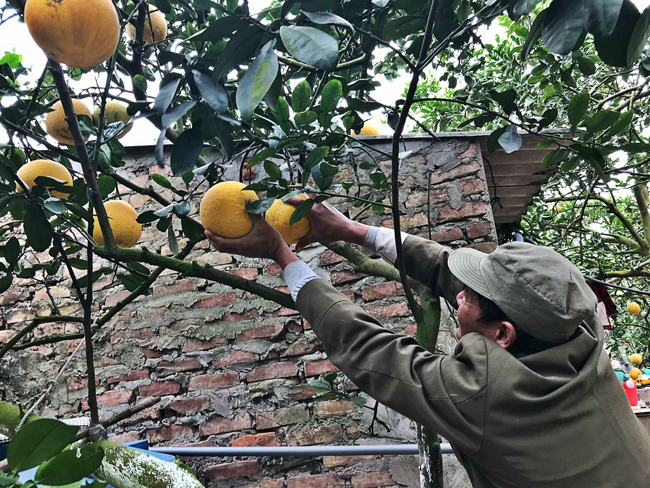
(122, 467)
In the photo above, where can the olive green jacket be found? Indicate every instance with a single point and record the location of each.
(554, 419)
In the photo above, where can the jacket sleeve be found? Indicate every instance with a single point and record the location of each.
(426, 262)
(444, 393)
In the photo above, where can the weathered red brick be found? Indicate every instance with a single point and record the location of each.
(217, 301)
(411, 329)
(273, 269)
(204, 345)
(458, 172)
(11, 297)
(469, 209)
(238, 317)
(486, 247)
(341, 277)
(420, 198)
(372, 480)
(115, 298)
(304, 392)
(221, 425)
(6, 335)
(160, 389)
(349, 294)
(328, 257)
(479, 230)
(270, 332)
(470, 153)
(151, 353)
(226, 471)
(165, 434)
(281, 416)
(187, 284)
(235, 357)
(304, 345)
(212, 381)
(390, 289)
(472, 187)
(55, 291)
(334, 461)
(449, 235)
(315, 368)
(178, 366)
(186, 406)
(266, 484)
(329, 480)
(112, 397)
(146, 414)
(333, 407)
(276, 370)
(125, 437)
(283, 312)
(246, 273)
(267, 439)
(78, 383)
(320, 435)
(393, 310)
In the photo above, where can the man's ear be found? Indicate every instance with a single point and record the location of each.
(506, 334)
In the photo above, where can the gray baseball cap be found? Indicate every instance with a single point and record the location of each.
(540, 290)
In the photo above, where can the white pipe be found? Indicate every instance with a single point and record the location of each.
(301, 451)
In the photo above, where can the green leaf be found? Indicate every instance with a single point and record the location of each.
(161, 180)
(601, 16)
(220, 28)
(305, 118)
(587, 65)
(186, 151)
(301, 97)
(493, 141)
(12, 251)
(261, 156)
(570, 164)
(131, 281)
(37, 442)
(311, 46)
(563, 25)
(7, 480)
(358, 401)
(510, 140)
(239, 50)
(37, 231)
(534, 35)
(175, 113)
(213, 94)
(524, 7)
(272, 170)
(331, 96)
(147, 217)
(106, 185)
(5, 282)
(622, 124)
(315, 157)
(181, 209)
(636, 147)
(554, 157)
(327, 18)
(301, 211)
(260, 206)
(166, 93)
(578, 108)
(601, 121)
(257, 80)
(192, 229)
(140, 82)
(70, 466)
(322, 181)
(616, 48)
(54, 205)
(639, 37)
(173, 243)
(506, 99)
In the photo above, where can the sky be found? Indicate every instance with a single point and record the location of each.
(14, 37)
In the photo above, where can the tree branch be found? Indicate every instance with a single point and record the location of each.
(33, 324)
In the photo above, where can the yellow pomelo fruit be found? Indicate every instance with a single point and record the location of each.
(122, 219)
(279, 216)
(155, 26)
(635, 373)
(368, 129)
(57, 126)
(636, 359)
(113, 112)
(633, 308)
(43, 167)
(79, 33)
(223, 209)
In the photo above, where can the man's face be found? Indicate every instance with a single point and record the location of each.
(469, 313)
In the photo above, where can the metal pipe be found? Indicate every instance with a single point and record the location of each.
(301, 451)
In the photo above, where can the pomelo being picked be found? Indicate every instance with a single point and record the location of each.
(223, 209)
(43, 167)
(122, 219)
(279, 216)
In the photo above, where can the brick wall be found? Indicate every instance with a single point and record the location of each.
(231, 367)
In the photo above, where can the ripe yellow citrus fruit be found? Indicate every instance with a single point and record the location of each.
(636, 359)
(155, 26)
(43, 167)
(635, 373)
(368, 129)
(56, 124)
(113, 112)
(122, 219)
(279, 216)
(79, 33)
(223, 209)
(633, 308)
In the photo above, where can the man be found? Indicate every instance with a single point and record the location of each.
(528, 398)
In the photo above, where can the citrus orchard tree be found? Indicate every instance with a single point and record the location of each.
(283, 87)
(595, 208)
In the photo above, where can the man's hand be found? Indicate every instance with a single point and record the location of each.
(263, 241)
(330, 225)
